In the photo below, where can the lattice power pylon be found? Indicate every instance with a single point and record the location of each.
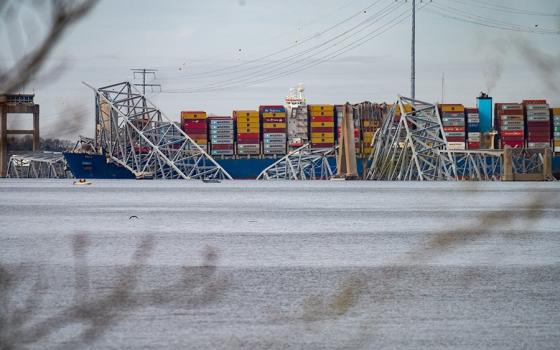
(133, 132)
(411, 145)
(38, 165)
(303, 163)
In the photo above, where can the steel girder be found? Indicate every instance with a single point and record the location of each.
(38, 166)
(303, 163)
(479, 165)
(411, 145)
(133, 132)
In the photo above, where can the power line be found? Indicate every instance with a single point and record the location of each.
(461, 15)
(271, 68)
(283, 50)
(276, 72)
(388, 26)
(144, 72)
(507, 9)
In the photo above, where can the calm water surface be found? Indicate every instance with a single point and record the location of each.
(316, 265)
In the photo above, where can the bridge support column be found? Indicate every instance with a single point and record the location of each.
(507, 164)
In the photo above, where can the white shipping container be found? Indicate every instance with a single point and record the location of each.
(456, 145)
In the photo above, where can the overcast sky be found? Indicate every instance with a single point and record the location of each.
(194, 45)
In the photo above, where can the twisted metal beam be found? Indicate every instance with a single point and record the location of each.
(133, 132)
(303, 163)
(38, 166)
(411, 145)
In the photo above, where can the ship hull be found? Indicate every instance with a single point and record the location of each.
(95, 166)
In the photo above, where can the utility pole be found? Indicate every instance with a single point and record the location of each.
(413, 54)
(442, 86)
(145, 72)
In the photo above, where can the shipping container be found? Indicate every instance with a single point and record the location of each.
(454, 125)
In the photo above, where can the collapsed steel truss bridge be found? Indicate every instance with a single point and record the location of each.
(134, 133)
(38, 165)
(303, 163)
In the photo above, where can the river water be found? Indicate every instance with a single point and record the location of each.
(304, 265)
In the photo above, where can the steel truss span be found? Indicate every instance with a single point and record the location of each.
(411, 145)
(38, 166)
(134, 133)
(303, 163)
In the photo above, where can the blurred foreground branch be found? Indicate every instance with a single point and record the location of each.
(22, 324)
(63, 15)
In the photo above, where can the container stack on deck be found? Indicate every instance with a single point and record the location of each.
(510, 124)
(555, 113)
(274, 129)
(339, 111)
(538, 123)
(193, 123)
(248, 132)
(321, 126)
(473, 128)
(453, 122)
(221, 136)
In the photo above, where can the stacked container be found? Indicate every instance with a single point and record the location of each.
(538, 123)
(248, 132)
(453, 121)
(221, 136)
(339, 110)
(473, 128)
(321, 125)
(510, 124)
(193, 123)
(274, 129)
(555, 112)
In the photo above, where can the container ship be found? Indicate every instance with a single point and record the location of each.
(248, 141)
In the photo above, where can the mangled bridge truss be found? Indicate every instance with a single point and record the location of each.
(134, 133)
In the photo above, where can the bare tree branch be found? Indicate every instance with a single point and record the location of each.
(64, 15)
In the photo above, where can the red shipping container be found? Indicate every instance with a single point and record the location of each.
(512, 133)
(473, 145)
(274, 130)
(514, 144)
(455, 139)
(321, 119)
(322, 129)
(222, 146)
(454, 128)
(534, 102)
(193, 122)
(198, 128)
(322, 145)
(248, 139)
(274, 120)
(471, 110)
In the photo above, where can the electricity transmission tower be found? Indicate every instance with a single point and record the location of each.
(144, 73)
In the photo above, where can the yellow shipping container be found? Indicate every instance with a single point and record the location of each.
(274, 115)
(321, 108)
(248, 130)
(246, 113)
(322, 124)
(407, 109)
(452, 108)
(321, 134)
(248, 120)
(274, 125)
(325, 137)
(193, 115)
(248, 124)
(367, 150)
(555, 111)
